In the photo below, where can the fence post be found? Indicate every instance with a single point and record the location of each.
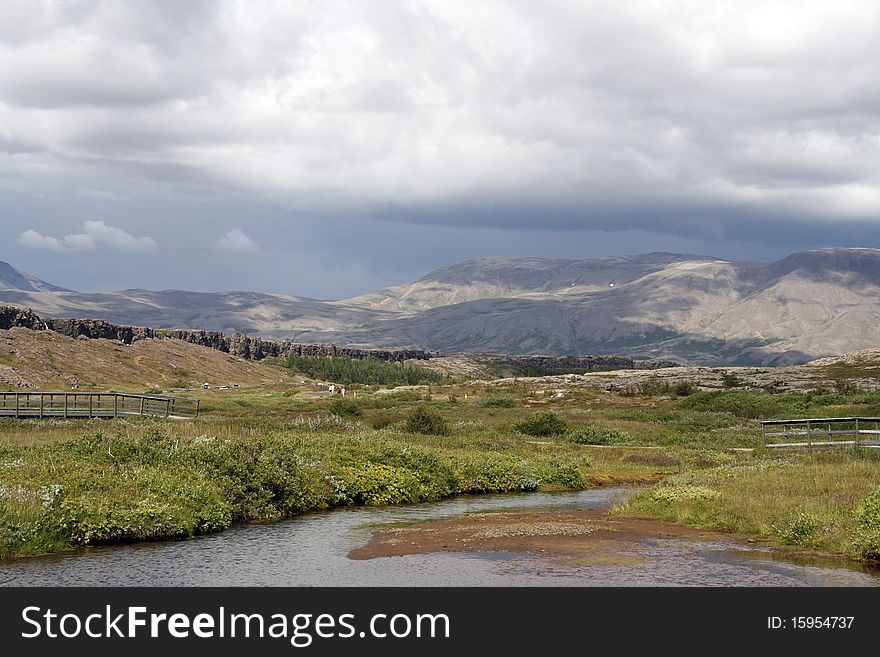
(167, 407)
(16, 405)
(809, 436)
(41, 405)
(763, 434)
(857, 432)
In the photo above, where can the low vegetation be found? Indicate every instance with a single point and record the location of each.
(276, 449)
(427, 421)
(542, 424)
(594, 434)
(829, 501)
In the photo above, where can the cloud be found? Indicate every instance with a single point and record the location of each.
(96, 233)
(561, 115)
(35, 240)
(116, 238)
(235, 241)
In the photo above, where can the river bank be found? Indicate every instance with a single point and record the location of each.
(313, 550)
(258, 457)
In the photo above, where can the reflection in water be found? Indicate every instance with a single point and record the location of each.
(311, 551)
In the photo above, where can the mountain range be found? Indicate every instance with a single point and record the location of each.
(691, 308)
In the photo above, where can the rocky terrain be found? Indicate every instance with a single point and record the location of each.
(665, 306)
(859, 370)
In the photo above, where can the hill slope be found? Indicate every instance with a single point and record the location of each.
(13, 279)
(45, 360)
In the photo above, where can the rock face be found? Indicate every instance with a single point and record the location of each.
(256, 348)
(23, 317)
(97, 329)
(243, 346)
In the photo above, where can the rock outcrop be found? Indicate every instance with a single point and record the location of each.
(243, 346)
(97, 329)
(11, 317)
(254, 348)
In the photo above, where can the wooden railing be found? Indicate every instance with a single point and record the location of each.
(94, 405)
(821, 432)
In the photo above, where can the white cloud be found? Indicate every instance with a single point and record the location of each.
(235, 241)
(79, 242)
(35, 240)
(626, 113)
(96, 233)
(118, 239)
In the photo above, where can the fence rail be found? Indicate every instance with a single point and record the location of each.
(94, 405)
(821, 432)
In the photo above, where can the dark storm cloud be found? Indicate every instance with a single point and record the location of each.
(686, 123)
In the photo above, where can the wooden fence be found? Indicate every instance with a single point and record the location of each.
(821, 432)
(94, 405)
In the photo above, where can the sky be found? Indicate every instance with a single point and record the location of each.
(329, 148)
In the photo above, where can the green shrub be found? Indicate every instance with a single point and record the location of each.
(342, 407)
(867, 515)
(800, 530)
(542, 424)
(426, 420)
(382, 420)
(730, 380)
(496, 401)
(375, 484)
(594, 434)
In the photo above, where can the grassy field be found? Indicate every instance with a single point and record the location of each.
(271, 450)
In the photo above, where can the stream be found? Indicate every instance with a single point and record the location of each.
(311, 550)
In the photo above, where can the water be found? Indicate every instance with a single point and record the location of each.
(311, 551)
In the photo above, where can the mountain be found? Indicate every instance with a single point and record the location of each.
(691, 308)
(12, 279)
(493, 277)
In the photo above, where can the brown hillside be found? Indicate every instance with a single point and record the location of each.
(43, 360)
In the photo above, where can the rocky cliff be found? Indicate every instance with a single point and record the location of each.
(250, 348)
(253, 348)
